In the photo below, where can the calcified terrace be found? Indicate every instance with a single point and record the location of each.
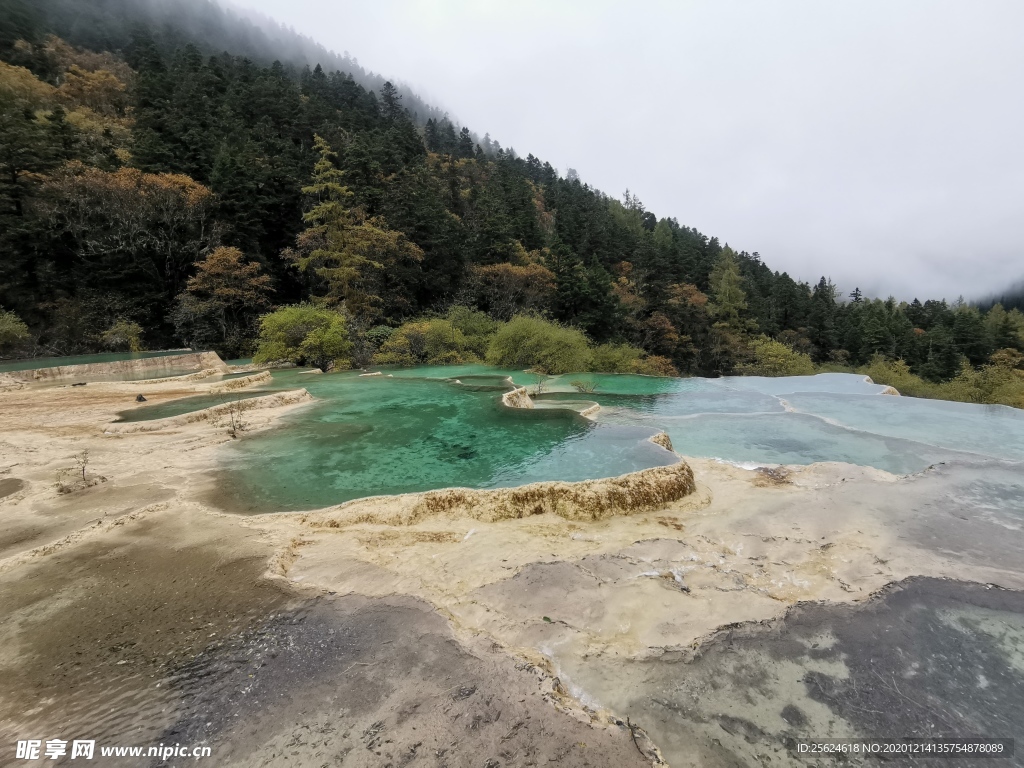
(690, 612)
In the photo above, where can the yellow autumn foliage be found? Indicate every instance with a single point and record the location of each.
(17, 84)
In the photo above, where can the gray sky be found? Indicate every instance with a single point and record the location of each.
(876, 141)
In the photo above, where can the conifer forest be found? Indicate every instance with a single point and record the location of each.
(172, 180)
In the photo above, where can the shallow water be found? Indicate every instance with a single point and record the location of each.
(417, 429)
(926, 658)
(375, 435)
(184, 405)
(991, 430)
(710, 398)
(618, 384)
(789, 438)
(838, 383)
(196, 402)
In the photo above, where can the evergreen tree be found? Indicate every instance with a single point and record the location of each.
(583, 296)
(821, 320)
(465, 143)
(391, 103)
(431, 137)
(346, 250)
(447, 142)
(152, 142)
(943, 361)
(728, 300)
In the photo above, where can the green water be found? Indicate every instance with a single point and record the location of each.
(411, 431)
(613, 383)
(143, 412)
(147, 412)
(418, 429)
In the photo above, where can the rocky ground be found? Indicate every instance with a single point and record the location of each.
(764, 607)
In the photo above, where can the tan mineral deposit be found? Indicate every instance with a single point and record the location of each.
(444, 628)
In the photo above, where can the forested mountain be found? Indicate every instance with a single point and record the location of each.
(111, 25)
(152, 181)
(1011, 298)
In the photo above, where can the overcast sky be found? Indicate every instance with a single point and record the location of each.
(880, 142)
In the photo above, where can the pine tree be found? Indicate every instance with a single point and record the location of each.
(448, 142)
(348, 251)
(391, 108)
(728, 300)
(821, 320)
(465, 143)
(430, 136)
(944, 358)
(152, 145)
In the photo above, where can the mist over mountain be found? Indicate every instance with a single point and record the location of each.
(213, 28)
(1011, 298)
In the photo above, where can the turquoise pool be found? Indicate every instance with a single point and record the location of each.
(424, 428)
(415, 431)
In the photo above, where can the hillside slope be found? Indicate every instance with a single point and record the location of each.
(109, 25)
(155, 191)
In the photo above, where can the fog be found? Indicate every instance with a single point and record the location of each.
(877, 142)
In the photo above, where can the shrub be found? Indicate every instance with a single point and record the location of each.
(896, 373)
(306, 335)
(527, 341)
(430, 342)
(461, 336)
(624, 358)
(657, 365)
(1007, 358)
(123, 336)
(13, 332)
(1006, 386)
(616, 358)
(993, 384)
(377, 335)
(988, 384)
(477, 327)
(773, 358)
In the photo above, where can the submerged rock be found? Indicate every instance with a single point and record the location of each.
(925, 658)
